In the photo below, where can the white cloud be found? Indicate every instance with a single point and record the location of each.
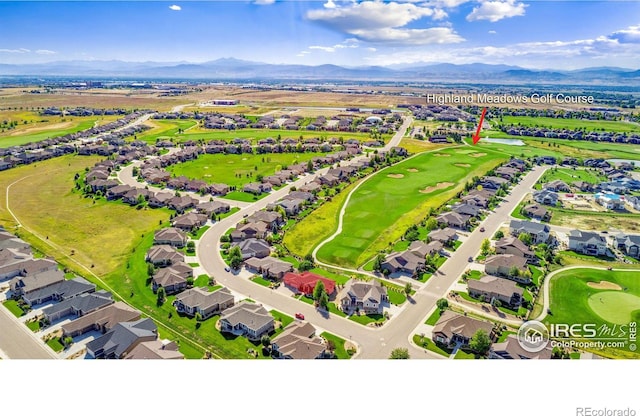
(264, 2)
(376, 21)
(329, 5)
(175, 7)
(449, 4)
(492, 32)
(20, 50)
(350, 43)
(496, 10)
(323, 48)
(371, 49)
(629, 35)
(45, 52)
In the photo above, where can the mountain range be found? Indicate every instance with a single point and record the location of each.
(235, 69)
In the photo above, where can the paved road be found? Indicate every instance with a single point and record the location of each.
(17, 341)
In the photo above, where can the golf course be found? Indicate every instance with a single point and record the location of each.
(380, 210)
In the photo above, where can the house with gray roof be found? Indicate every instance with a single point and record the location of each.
(123, 338)
(249, 230)
(199, 300)
(629, 243)
(444, 235)
(269, 267)
(510, 349)
(505, 264)
(453, 328)
(536, 211)
(422, 249)
(101, 320)
(12, 261)
(155, 350)
(365, 296)
(586, 242)
(170, 236)
(492, 288)
(163, 255)
(539, 232)
(250, 320)
(546, 197)
(171, 280)
(23, 285)
(60, 291)
(254, 247)
(298, 341)
(407, 262)
(512, 245)
(8, 240)
(78, 305)
(212, 208)
(455, 220)
(557, 186)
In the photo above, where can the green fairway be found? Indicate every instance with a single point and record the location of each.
(390, 201)
(164, 129)
(237, 170)
(14, 139)
(570, 123)
(580, 296)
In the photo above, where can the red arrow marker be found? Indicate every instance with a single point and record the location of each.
(476, 137)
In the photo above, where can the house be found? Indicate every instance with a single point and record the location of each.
(539, 232)
(510, 349)
(122, 338)
(155, 350)
(118, 192)
(254, 247)
(305, 282)
(172, 280)
(492, 288)
(291, 206)
(256, 188)
(163, 255)
(269, 267)
(404, 262)
(557, 186)
(219, 189)
(454, 220)
(363, 296)
(182, 203)
(512, 245)
(585, 242)
(478, 198)
(453, 328)
(630, 244)
(190, 221)
(250, 320)
(505, 265)
(78, 305)
(444, 235)
(493, 182)
(212, 208)
(63, 290)
(136, 196)
(610, 201)
(422, 249)
(633, 202)
(311, 187)
(298, 341)
(273, 219)
(536, 211)
(101, 320)
(160, 199)
(583, 186)
(170, 236)
(250, 230)
(12, 261)
(26, 284)
(546, 197)
(467, 209)
(200, 301)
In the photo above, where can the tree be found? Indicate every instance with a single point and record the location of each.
(305, 265)
(525, 238)
(399, 354)
(324, 301)
(318, 290)
(442, 304)
(499, 235)
(235, 257)
(514, 271)
(485, 247)
(161, 294)
(408, 288)
(480, 342)
(150, 269)
(377, 265)
(431, 224)
(265, 341)
(198, 320)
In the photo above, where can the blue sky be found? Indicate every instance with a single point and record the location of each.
(534, 34)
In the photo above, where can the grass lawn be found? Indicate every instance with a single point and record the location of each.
(33, 326)
(461, 355)
(164, 129)
(564, 123)
(13, 307)
(199, 232)
(428, 344)
(475, 274)
(44, 131)
(55, 344)
(433, 318)
(571, 175)
(572, 300)
(367, 319)
(261, 281)
(425, 277)
(194, 264)
(406, 190)
(281, 317)
(504, 335)
(340, 351)
(231, 212)
(244, 196)
(237, 170)
(303, 237)
(396, 298)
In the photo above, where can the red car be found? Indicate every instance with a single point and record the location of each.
(299, 316)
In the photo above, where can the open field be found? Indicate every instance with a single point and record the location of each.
(164, 129)
(574, 301)
(592, 220)
(572, 175)
(564, 123)
(418, 146)
(305, 235)
(382, 208)
(221, 168)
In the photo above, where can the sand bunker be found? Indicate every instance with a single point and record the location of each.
(477, 154)
(412, 170)
(603, 284)
(463, 165)
(440, 185)
(441, 154)
(395, 175)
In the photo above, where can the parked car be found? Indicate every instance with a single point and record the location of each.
(470, 259)
(227, 269)
(299, 316)
(481, 229)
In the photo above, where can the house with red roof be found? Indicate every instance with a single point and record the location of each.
(305, 282)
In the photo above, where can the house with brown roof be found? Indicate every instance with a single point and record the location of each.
(510, 349)
(503, 264)
(536, 211)
(170, 236)
(273, 219)
(445, 235)
(199, 300)
(492, 288)
(365, 296)
(250, 320)
(254, 247)
(163, 255)
(453, 328)
(513, 245)
(454, 220)
(160, 199)
(101, 320)
(155, 350)
(190, 222)
(212, 207)
(135, 196)
(27, 283)
(407, 262)
(182, 203)
(557, 186)
(219, 189)
(172, 280)
(250, 230)
(269, 267)
(298, 341)
(422, 249)
(118, 192)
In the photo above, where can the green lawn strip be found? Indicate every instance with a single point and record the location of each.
(56, 344)
(475, 274)
(368, 229)
(165, 129)
(395, 297)
(570, 123)
(33, 325)
(367, 319)
(428, 344)
(568, 176)
(199, 232)
(456, 244)
(340, 351)
(261, 281)
(244, 196)
(281, 317)
(292, 260)
(194, 264)
(536, 275)
(569, 301)
(424, 277)
(433, 318)
(13, 307)
(230, 212)
(461, 355)
(517, 211)
(504, 335)
(18, 140)
(303, 237)
(336, 277)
